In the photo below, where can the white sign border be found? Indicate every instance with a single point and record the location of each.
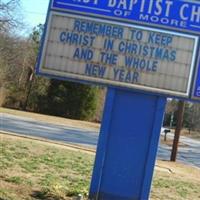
(65, 75)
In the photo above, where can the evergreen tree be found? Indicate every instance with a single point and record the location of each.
(72, 100)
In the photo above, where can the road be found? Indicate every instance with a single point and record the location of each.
(88, 137)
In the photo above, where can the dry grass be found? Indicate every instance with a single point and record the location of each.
(177, 182)
(191, 134)
(52, 119)
(39, 170)
(169, 142)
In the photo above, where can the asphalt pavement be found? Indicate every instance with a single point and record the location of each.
(189, 154)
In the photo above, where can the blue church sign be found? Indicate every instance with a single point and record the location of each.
(179, 14)
(139, 39)
(144, 51)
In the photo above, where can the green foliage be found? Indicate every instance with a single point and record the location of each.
(37, 90)
(60, 173)
(26, 91)
(14, 97)
(37, 33)
(191, 117)
(71, 100)
(15, 179)
(56, 172)
(187, 116)
(36, 36)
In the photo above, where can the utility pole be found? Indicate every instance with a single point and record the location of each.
(181, 106)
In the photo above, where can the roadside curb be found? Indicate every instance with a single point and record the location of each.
(73, 146)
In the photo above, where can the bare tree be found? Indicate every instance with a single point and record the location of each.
(9, 44)
(9, 17)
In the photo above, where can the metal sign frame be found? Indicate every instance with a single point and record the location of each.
(71, 76)
(102, 10)
(189, 33)
(131, 123)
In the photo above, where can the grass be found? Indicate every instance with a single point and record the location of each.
(35, 170)
(31, 170)
(167, 188)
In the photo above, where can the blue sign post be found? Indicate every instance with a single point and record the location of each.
(127, 146)
(135, 105)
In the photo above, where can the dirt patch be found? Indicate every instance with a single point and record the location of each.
(191, 134)
(53, 119)
(179, 170)
(169, 142)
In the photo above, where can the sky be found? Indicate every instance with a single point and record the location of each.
(34, 12)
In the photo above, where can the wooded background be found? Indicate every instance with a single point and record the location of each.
(21, 89)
